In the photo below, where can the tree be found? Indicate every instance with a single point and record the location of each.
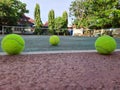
(59, 23)
(51, 22)
(65, 24)
(77, 9)
(11, 11)
(65, 18)
(101, 13)
(38, 22)
(78, 12)
(96, 13)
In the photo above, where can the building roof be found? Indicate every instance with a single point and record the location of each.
(46, 24)
(25, 20)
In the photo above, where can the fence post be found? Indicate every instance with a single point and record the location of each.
(2, 30)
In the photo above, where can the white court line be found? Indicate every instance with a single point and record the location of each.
(64, 51)
(54, 52)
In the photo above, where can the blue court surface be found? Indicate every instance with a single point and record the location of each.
(34, 43)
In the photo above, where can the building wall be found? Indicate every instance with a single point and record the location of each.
(77, 32)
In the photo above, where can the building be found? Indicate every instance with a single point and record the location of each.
(26, 21)
(77, 32)
(25, 25)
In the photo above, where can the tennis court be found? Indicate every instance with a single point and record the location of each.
(41, 43)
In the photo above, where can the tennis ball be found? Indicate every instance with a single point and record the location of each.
(105, 44)
(12, 44)
(54, 40)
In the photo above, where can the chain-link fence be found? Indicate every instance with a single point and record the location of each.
(115, 32)
(33, 30)
(15, 29)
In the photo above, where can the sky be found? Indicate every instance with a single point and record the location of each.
(59, 6)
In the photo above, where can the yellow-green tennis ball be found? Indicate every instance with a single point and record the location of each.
(54, 40)
(105, 44)
(13, 44)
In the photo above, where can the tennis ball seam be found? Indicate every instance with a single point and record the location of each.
(103, 49)
(14, 40)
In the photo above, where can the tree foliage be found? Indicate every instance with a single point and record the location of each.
(65, 19)
(96, 13)
(51, 21)
(59, 23)
(77, 9)
(37, 18)
(11, 11)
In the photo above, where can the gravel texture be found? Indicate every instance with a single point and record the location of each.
(60, 71)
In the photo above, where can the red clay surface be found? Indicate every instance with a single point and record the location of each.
(70, 71)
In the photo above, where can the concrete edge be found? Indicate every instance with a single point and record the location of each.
(54, 52)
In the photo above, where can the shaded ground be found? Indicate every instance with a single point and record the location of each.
(70, 71)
